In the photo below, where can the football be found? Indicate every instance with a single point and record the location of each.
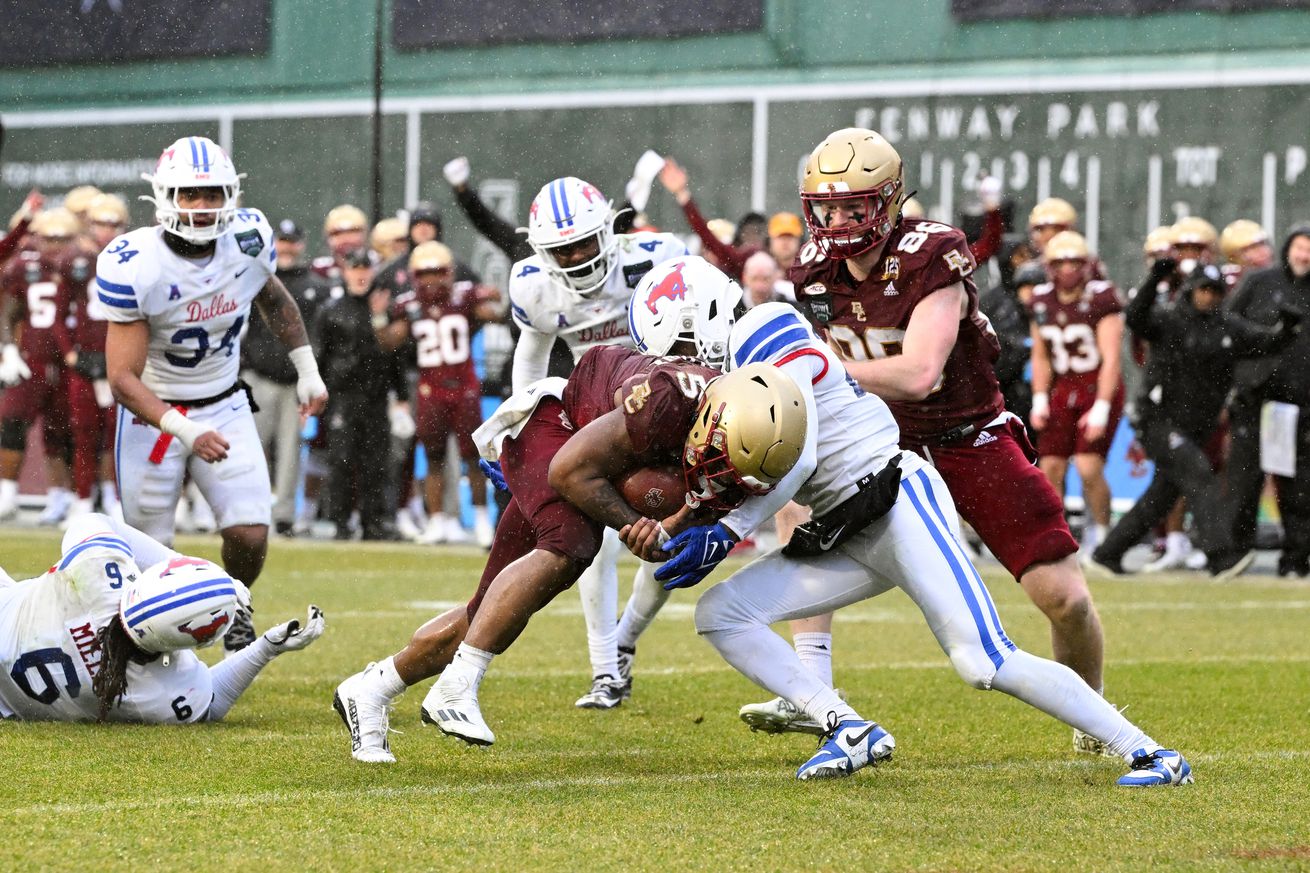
(655, 492)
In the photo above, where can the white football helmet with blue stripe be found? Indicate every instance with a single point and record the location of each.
(685, 300)
(564, 214)
(193, 162)
(181, 603)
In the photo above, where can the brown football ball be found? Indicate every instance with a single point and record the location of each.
(655, 492)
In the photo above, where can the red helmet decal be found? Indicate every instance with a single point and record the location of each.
(204, 634)
(590, 192)
(179, 563)
(671, 287)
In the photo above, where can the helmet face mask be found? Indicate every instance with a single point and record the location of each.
(687, 300)
(571, 228)
(194, 168)
(748, 432)
(857, 173)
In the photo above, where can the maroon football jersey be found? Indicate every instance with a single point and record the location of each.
(441, 327)
(87, 320)
(38, 291)
(1068, 327)
(659, 397)
(868, 319)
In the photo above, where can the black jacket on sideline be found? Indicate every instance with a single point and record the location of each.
(1260, 298)
(349, 357)
(264, 353)
(1193, 355)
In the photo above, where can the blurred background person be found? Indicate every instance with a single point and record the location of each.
(1263, 297)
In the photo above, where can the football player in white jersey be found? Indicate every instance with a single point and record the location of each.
(178, 297)
(96, 638)
(881, 518)
(576, 286)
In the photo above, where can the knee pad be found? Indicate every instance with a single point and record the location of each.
(13, 434)
(712, 610)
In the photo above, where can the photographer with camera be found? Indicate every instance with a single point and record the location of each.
(1194, 348)
(1262, 298)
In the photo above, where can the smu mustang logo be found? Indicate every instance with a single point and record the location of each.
(671, 287)
(206, 633)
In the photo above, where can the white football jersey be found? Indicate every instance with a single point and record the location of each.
(539, 304)
(197, 310)
(856, 432)
(48, 650)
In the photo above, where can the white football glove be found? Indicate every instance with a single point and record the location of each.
(13, 369)
(643, 176)
(456, 171)
(989, 192)
(402, 423)
(293, 635)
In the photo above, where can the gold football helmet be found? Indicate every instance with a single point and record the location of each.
(1240, 235)
(430, 256)
(56, 224)
(913, 209)
(1195, 231)
(1159, 242)
(345, 217)
(1067, 245)
(107, 209)
(388, 238)
(748, 433)
(1053, 212)
(78, 199)
(853, 164)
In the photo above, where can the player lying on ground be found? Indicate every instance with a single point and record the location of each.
(882, 518)
(738, 436)
(95, 638)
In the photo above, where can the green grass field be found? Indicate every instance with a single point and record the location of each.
(672, 780)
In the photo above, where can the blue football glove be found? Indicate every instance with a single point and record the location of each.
(696, 552)
(491, 469)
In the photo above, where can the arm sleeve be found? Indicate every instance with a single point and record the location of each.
(531, 358)
(233, 675)
(989, 243)
(750, 515)
(1140, 314)
(9, 242)
(497, 230)
(732, 258)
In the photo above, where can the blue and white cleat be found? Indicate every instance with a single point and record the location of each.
(851, 745)
(1160, 767)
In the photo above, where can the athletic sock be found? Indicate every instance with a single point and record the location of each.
(383, 679)
(815, 652)
(648, 596)
(1060, 693)
(470, 664)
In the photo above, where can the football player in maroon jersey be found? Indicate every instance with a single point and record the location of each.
(439, 317)
(33, 306)
(897, 301)
(1078, 394)
(90, 402)
(625, 410)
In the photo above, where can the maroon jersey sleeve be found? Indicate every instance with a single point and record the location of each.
(658, 410)
(1105, 300)
(932, 256)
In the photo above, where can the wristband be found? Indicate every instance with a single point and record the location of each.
(1099, 414)
(1041, 403)
(380, 320)
(303, 359)
(177, 424)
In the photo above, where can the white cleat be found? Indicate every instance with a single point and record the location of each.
(1175, 559)
(406, 527)
(1197, 560)
(455, 712)
(483, 533)
(778, 716)
(606, 693)
(81, 506)
(434, 533)
(8, 508)
(58, 503)
(367, 717)
(1086, 744)
(455, 532)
